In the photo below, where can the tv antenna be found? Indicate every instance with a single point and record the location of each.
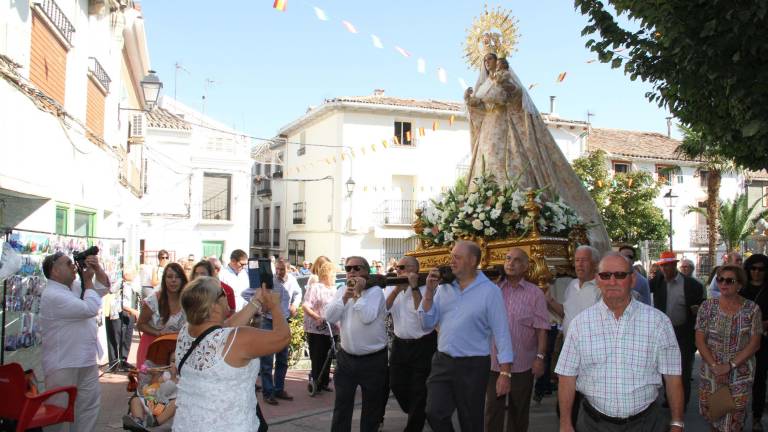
(178, 67)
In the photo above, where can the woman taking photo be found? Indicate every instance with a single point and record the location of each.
(218, 358)
(161, 312)
(756, 289)
(318, 295)
(728, 332)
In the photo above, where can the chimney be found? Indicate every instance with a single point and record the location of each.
(669, 127)
(378, 92)
(552, 105)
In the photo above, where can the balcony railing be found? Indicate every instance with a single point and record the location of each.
(261, 237)
(397, 212)
(699, 236)
(99, 73)
(264, 188)
(276, 237)
(299, 212)
(57, 18)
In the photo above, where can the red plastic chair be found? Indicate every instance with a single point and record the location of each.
(31, 412)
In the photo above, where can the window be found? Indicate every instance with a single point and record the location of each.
(276, 231)
(49, 46)
(620, 167)
(664, 174)
(62, 220)
(85, 222)
(302, 144)
(299, 213)
(217, 192)
(765, 196)
(403, 133)
(703, 176)
(296, 252)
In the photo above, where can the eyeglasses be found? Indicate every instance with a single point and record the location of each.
(350, 268)
(618, 275)
(757, 268)
(243, 263)
(725, 280)
(164, 257)
(401, 267)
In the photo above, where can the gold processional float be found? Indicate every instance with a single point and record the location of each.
(544, 210)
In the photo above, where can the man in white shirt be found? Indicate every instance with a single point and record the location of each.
(69, 331)
(412, 349)
(235, 274)
(362, 359)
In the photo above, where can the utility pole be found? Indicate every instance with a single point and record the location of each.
(178, 67)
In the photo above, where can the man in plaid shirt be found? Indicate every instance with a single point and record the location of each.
(615, 354)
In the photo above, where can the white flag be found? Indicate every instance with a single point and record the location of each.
(376, 41)
(421, 65)
(348, 25)
(320, 14)
(463, 84)
(442, 75)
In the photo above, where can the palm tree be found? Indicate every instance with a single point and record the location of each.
(696, 146)
(736, 222)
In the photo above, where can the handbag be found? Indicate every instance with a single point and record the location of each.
(720, 403)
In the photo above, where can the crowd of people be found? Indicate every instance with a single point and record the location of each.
(618, 347)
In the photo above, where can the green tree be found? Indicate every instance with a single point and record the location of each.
(625, 201)
(736, 222)
(707, 61)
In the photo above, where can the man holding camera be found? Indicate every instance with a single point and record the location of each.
(412, 348)
(362, 359)
(69, 328)
(468, 311)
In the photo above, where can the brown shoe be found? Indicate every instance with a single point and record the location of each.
(282, 394)
(271, 400)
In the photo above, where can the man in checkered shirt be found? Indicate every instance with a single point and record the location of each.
(615, 354)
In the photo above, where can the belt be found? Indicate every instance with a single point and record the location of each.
(598, 416)
(421, 339)
(383, 350)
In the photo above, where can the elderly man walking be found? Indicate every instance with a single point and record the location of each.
(470, 313)
(528, 325)
(616, 353)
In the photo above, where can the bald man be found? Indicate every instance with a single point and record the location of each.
(412, 348)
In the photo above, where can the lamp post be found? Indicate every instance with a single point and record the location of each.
(150, 87)
(671, 200)
(350, 184)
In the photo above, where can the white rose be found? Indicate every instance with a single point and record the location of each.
(482, 216)
(477, 224)
(495, 213)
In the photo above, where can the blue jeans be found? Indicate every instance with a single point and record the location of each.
(269, 386)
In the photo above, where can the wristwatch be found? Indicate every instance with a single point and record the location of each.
(678, 423)
(733, 364)
(540, 356)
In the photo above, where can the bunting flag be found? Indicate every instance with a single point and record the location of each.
(442, 75)
(376, 41)
(407, 137)
(421, 131)
(404, 53)
(352, 153)
(463, 84)
(373, 146)
(530, 87)
(320, 14)
(561, 77)
(280, 5)
(451, 119)
(348, 25)
(435, 125)
(397, 141)
(343, 156)
(328, 161)
(591, 61)
(384, 143)
(362, 150)
(421, 65)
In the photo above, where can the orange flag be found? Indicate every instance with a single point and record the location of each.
(280, 5)
(407, 137)
(421, 131)
(561, 77)
(435, 125)
(451, 119)
(397, 141)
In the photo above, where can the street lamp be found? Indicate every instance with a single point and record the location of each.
(671, 200)
(150, 87)
(350, 184)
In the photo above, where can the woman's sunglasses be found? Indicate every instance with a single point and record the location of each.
(350, 268)
(725, 280)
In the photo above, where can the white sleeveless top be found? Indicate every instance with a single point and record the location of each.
(213, 395)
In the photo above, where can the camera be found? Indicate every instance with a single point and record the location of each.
(79, 257)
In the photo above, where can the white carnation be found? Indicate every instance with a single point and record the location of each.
(477, 224)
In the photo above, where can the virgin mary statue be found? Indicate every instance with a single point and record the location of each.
(511, 141)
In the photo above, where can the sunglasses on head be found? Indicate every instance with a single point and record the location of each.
(725, 280)
(620, 275)
(350, 268)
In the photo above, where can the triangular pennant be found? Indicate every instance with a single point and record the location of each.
(376, 41)
(280, 5)
(442, 75)
(435, 125)
(403, 52)
(421, 65)
(320, 14)
(451, 119)
(348, 25)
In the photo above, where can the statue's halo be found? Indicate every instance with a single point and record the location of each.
(493, 31)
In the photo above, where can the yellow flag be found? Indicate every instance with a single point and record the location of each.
(451, 119)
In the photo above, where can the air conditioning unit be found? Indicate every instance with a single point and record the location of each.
(136, 125)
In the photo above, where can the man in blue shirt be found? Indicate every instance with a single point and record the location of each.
(641, 286)
(468, 311)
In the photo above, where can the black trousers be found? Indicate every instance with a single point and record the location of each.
(319, 345)
(457, 384)
(369, 372)
(758, 386)
(544, 382)
(687, 345)
(119, 337)
(409, 367)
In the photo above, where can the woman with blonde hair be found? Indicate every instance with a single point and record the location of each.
(218, 358)
(318, 295)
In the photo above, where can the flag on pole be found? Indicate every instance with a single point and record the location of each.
(348, 25)
(280, 5)
(320, 14)
(403, 52)
(442, 75)
(561, 77)
(421, 65)
(376, 41)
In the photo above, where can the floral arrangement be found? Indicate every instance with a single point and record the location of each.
(492, 211)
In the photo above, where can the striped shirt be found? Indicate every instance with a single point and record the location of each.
(526, 312)
(619, 363)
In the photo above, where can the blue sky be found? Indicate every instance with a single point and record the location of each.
(269, 66)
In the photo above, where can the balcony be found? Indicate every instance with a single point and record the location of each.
(397, 212)
(264, 188)
(299, 213)
(276, 237)
(261, 237)
(57, 18)
(130, 175)
(98, 72)
(699, 236)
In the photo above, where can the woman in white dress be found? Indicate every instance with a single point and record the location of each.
(216, 388)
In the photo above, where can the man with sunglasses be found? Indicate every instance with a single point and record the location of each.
(235, 274)
(616, 354)
(679, 297)
(362, 359)
(412, 347)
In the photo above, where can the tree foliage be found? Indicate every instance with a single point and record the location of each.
(736, 220)
(625, 201)
(707, 61)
